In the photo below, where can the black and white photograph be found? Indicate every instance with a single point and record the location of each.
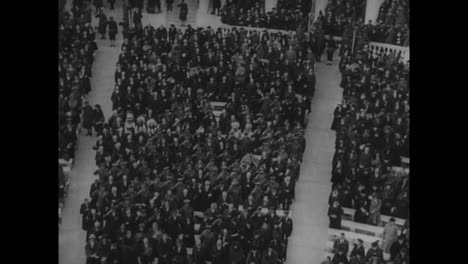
(233, 132)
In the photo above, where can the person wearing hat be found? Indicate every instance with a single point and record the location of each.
(358, 249)
(91, 249)
(340, 257)
(335, 213)
(270, 256)
(88, 118)
(397, 247)
(183, 11)
(102, 22)
(341, 244)
(104, 246)
(390, 235)
(375, 254)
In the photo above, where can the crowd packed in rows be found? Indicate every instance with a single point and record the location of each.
(340, 13)
(393, 23)
(287, 15)
(372, 125)
(394, 12)
(340, 18)
(173, 179)
(344, 254)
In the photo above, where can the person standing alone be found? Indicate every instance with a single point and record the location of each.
(331, 45)
(113, 30)
(183, 11)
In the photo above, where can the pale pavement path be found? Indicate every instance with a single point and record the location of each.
(309, 210)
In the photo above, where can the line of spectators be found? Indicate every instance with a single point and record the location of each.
(287, 15)
(372, 125)
(76, 56)
(163, 155)
(341, 18)
(344, 254)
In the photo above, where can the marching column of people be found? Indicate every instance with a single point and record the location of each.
(175, 183)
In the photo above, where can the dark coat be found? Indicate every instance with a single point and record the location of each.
(183, 11)
(88, 117)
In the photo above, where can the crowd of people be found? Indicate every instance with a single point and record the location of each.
(340, 13)
(76, 55)
(372, 128)
(344, 253)
(287, 15)
(340, 18)
(179, 184)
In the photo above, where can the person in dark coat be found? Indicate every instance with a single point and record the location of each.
(335, 212)
(88, 118)
(219, 254)
(340, 258)
(216, 7)
(129, 248)
(183, 11)
(169, 5)
(112, 4)
(113, 30)
(102, 26)
(337, 114)
(151, 6)
(180, 253)
(254, 257)
(341, 244)
(165, 249)
(402, 257)
(375, 254)
(358, 249)
(98, 4)
(270, 256)
(84, 211)
(236, 254)
(331, 46)
(397, 247)
(98, 119)
(91, 249)
(137, 16)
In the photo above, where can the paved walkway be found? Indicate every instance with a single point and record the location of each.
(309, 211)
